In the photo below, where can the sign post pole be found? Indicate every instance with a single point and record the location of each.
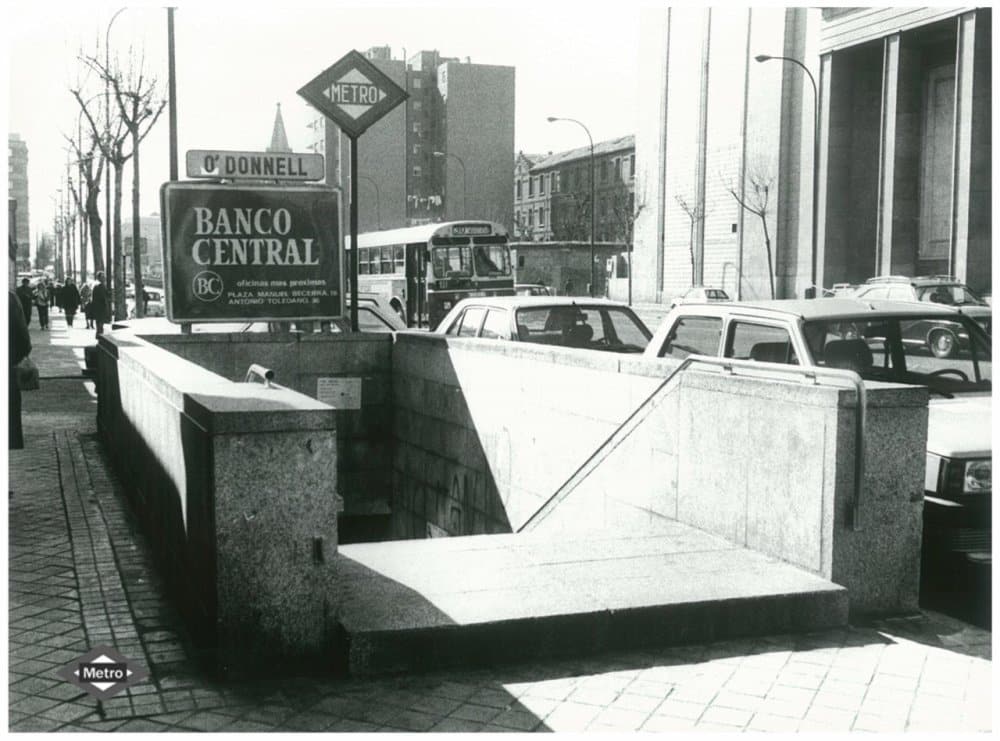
(353, 93)
(354, 234)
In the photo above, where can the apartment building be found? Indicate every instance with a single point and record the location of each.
(552, 197)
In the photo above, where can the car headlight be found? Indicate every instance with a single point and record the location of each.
(958, 477)
(978, 477)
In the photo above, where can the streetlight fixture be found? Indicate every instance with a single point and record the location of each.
(815, 168)
(593, 203)
(378, 201)
(465, 192)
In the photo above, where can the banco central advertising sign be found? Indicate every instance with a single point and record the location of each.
(249, 253)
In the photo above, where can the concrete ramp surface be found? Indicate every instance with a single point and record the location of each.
(414, 605)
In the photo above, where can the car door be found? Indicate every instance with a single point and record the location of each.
(692, 335)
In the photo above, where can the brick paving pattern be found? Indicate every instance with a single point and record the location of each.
(80, 575)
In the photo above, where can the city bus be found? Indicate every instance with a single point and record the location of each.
(422, 271)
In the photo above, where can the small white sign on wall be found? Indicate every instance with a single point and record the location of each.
(340, 393)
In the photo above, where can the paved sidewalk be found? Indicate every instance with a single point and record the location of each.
(80, 575)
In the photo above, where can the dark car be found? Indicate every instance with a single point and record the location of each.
(934, 289)
(581, 323)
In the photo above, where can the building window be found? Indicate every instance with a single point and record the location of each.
(541, 185)
(555, 182)
(531, 187)
(531, 217)
(417, 105)
(579, 177)
(517, 191)
(631, 166)
(417, 171)
(416, 82)
(416, 127)
(604, 170)
(616, 168)
(541, 217)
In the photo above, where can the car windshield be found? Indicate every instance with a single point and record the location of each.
(949, 355)
(610, 328)
(953, 295)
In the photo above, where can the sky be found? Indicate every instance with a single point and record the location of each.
(236, 61)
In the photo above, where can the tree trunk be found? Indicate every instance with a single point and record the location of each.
(140, 304)
(767, 248)
(118, 258)
(95, 223)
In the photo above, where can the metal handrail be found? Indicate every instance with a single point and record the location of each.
(260, 374)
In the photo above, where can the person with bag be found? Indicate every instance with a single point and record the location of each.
(85, 291)
(18, 350)
(70, 301)
(42, 297)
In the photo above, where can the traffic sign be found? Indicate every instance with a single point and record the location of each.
(219, 164)
(354, 93)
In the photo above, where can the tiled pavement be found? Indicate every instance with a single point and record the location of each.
(81, 576)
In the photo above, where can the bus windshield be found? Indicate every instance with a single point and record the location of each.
(452, 262)
(491, 260)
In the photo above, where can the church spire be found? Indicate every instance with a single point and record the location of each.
(279, 142)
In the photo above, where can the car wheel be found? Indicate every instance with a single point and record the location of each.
(942, 343)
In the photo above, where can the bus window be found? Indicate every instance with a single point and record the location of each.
(399, 259)
(452, 262)
(387, 265)
(363, 261)
(491, 259)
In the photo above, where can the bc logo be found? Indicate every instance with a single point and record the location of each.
(207, 286)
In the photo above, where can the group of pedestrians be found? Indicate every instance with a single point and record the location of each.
(94, 301)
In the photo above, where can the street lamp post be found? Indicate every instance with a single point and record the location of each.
(593, 203)
(465, 192)
(815, 167)
(108, 265)
(378, 201)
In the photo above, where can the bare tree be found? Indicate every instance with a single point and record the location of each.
(695, 213)
(91, 168)
(755, 198)
(139, 107)
(570, 216)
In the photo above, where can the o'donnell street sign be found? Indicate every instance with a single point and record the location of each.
(220, 164)
(248, 253)
(354, 93)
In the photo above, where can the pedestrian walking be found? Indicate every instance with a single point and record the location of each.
(85, 292)
(42, 297)
(52, 293)
(57, 293)
(70, 300)
(24, 293)
(18, 348)
(100, 304)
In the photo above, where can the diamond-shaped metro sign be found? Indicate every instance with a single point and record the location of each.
(354, 93)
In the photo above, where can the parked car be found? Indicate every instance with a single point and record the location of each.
(700, 295)
(582, 323)
(531, 289)
(936, 289)
(891, 341)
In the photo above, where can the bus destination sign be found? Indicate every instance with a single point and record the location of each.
(219, 164)
(471, 230)
(251, 253)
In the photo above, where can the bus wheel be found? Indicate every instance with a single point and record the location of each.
(398, 308)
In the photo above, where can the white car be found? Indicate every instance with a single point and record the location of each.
(699, 295)
(891, 341)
